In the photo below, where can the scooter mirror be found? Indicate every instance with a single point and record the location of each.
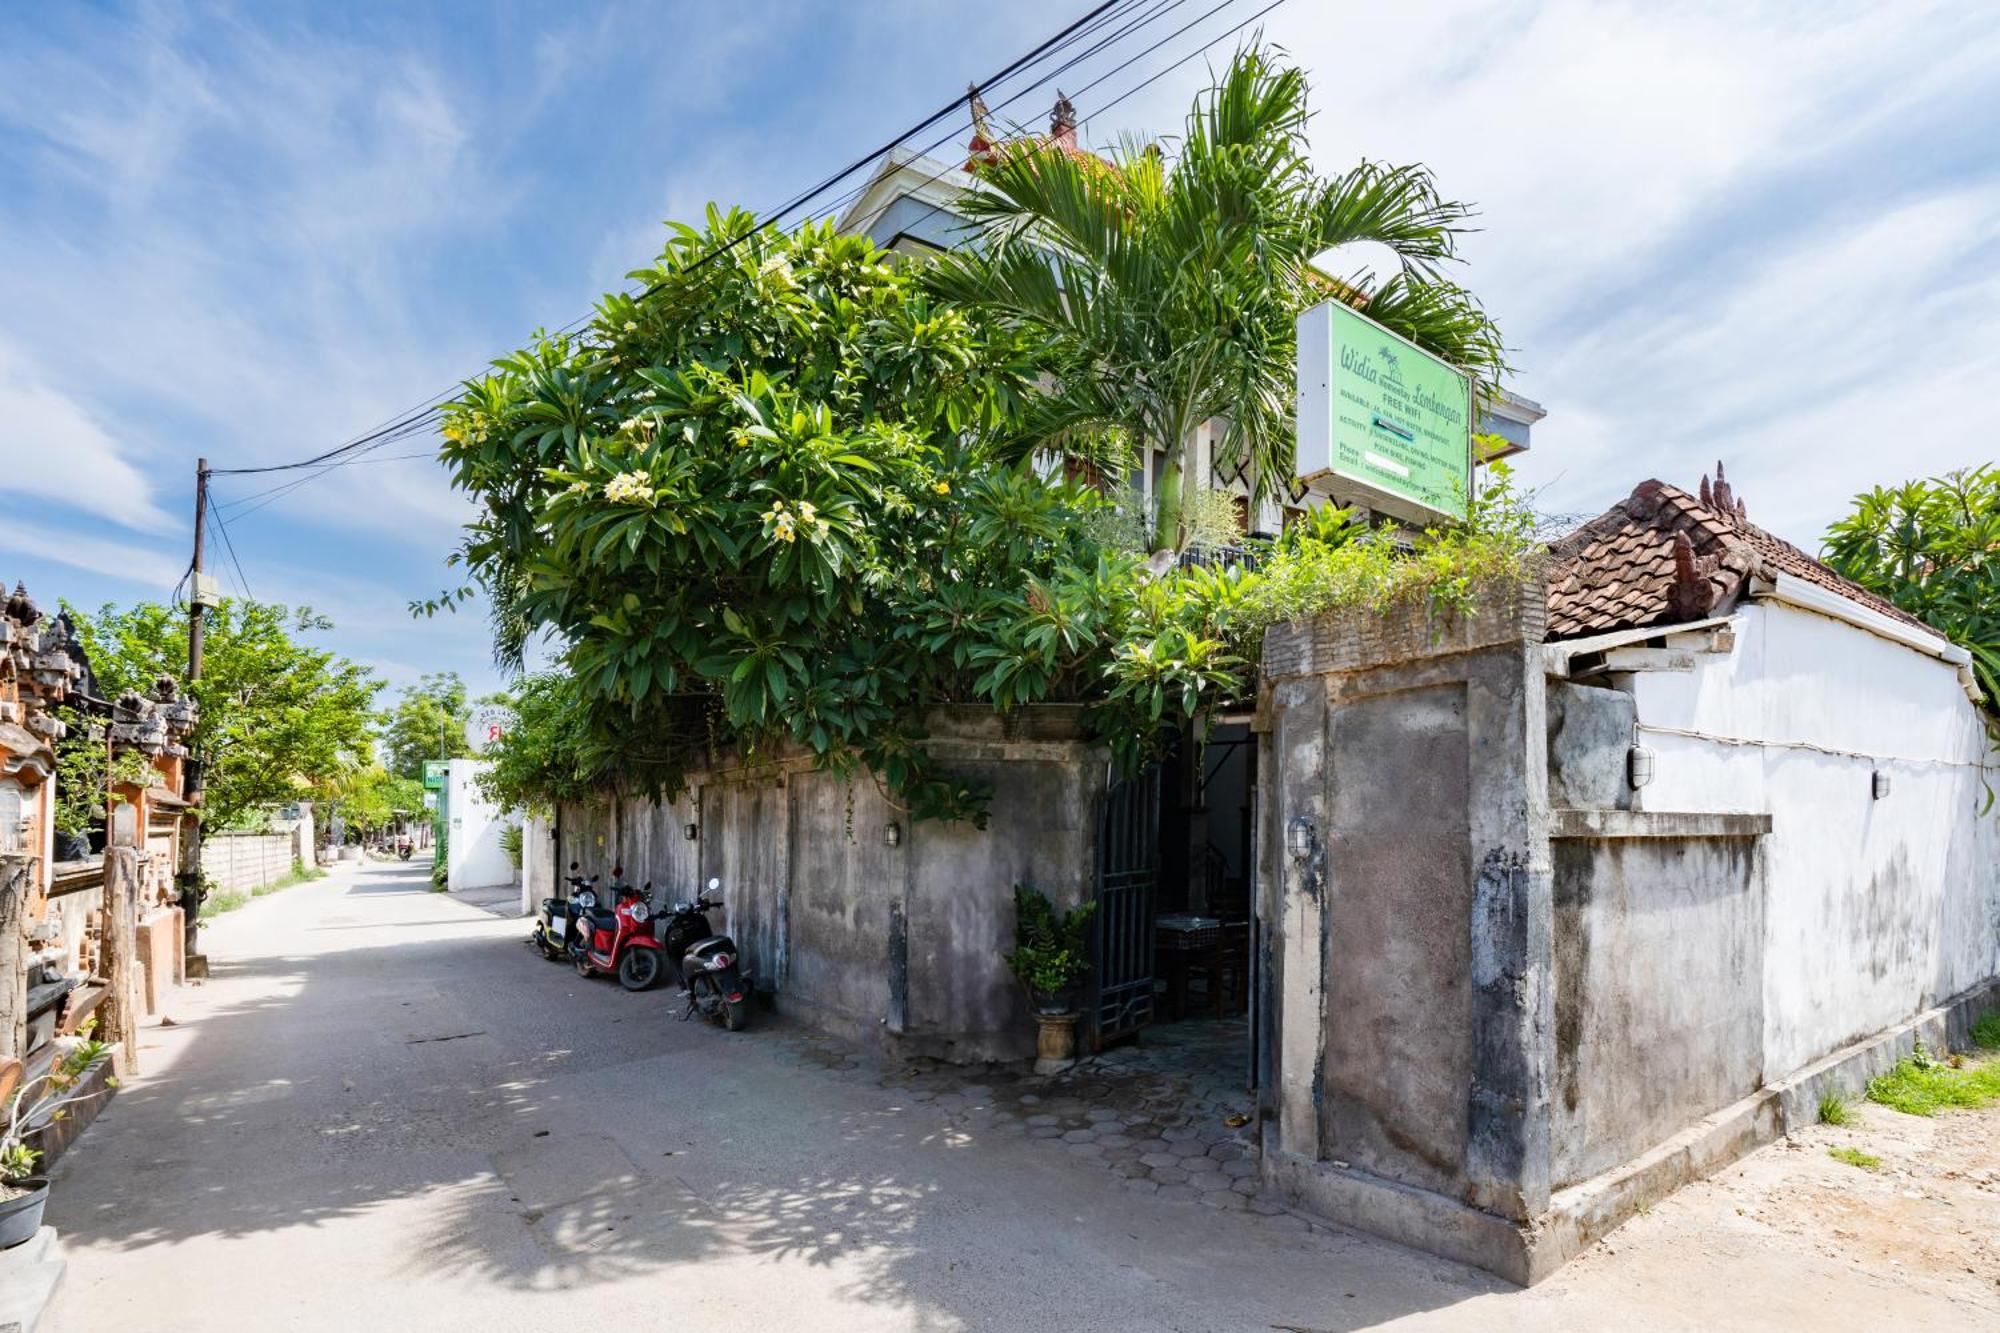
(714, 884)
(573, 865)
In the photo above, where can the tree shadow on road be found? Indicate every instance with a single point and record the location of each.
(542, 1133)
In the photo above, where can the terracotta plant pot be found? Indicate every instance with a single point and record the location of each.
(1055, 1043)
(21, 1216)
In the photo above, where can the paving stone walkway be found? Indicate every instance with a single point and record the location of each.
(1166, 1115)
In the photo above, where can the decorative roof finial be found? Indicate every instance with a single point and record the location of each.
(22, 607)
(1707, 500)
(1062, 121)
(980, 128)
(1724, 498)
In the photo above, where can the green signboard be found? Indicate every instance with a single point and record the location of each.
(434, 773)
(1380, 419)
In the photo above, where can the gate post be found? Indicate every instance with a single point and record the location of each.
(1408, 843)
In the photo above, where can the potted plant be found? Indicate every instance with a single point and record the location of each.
(34, 1106)
(1050, 959)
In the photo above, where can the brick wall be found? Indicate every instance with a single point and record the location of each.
(1354, 640)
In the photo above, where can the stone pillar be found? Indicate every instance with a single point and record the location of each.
(124, 1004)
(1409, 844)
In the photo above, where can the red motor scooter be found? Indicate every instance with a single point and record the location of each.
(621, 942)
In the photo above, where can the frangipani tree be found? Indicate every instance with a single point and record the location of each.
(756, 507)
(1164, 282)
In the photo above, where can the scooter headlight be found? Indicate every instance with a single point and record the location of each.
(641, 913)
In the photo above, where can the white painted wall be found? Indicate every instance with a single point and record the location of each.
(1874, 909)
(473, 856)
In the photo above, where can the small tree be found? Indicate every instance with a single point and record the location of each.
(274, 709)
(426, 722)
(1933, 548)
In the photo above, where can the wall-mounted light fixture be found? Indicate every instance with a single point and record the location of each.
(1879, 784)
(892, 835)
(691, 831)
(1639, 765)
(1299, 837)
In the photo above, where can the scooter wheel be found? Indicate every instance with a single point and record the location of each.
(582, 961)
(639, 968)
(736, 1014)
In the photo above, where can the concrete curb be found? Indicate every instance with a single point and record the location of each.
(29, 1276)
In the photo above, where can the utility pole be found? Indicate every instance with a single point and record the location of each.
(191, 786)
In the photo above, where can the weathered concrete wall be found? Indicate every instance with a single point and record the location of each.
(1399, 900)
(1408, 830)
(1659, 991)
(1519, 997)
(1590, 736)
(901, 942)
(962, 1002)
(848, 895)
(1875, 909)
(540, 870)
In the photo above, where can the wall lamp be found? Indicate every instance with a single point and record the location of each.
(892, 835)
(1879, 784)
(1299, 837)
(1639, 766)
(691, 831)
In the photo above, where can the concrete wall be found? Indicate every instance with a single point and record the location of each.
(1875, 909)
(244, 861)
(541, 875)
(1659, 992)
(1406, 855)
(1518, 996)
(474, 857)
(902, 942)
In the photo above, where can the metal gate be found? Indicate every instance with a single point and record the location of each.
(1128, 870)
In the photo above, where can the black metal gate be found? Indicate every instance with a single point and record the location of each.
(1128, 871)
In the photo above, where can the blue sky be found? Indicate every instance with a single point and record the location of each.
(1764, 233)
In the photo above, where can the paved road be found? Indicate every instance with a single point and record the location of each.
(385, 1112)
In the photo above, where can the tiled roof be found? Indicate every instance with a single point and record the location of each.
(1662, 556)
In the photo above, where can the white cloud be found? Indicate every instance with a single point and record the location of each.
(152, 567)
(56, 450)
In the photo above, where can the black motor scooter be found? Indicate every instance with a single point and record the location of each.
(707, 963)
(556, 934)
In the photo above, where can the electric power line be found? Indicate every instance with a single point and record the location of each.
(242, 580)
(418, 420)
(1066, 34)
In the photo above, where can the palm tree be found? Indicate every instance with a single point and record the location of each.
(1165, 285)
